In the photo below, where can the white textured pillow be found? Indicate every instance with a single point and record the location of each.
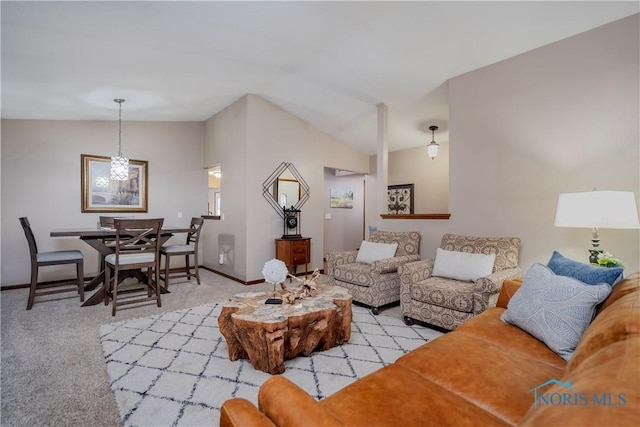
(462, 265)
(370, 251)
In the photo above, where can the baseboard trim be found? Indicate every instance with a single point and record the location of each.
(86, 279)
(228, 276)
(45, 284)
(245, 282)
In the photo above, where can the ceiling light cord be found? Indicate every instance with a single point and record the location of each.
(119, 101)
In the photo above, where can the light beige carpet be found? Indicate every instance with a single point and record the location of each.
(53, 368)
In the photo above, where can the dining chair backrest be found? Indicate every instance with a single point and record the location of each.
(193, 236)
(31, 240)
(137, 235)
(108, 221)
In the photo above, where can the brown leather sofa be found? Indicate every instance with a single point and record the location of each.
(485, 373)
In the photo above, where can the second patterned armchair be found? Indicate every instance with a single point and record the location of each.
(374, 283)
(435, 295)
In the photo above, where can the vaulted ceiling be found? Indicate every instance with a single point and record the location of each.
(329, 63)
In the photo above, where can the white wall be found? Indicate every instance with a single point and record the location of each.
(272, 136)
(561, 118)
(41, 180)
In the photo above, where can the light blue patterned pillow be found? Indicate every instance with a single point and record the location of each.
(587, 273)
(555, 309)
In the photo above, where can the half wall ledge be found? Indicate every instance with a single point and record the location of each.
(417, 216)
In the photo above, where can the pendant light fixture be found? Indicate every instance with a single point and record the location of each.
(119, 163)
(432, 148)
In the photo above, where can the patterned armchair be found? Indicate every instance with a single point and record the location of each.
(447, 303)
(374, 284)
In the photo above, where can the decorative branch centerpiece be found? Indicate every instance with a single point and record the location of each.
(307, 288)
(276, 272)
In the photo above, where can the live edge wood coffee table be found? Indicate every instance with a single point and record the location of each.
(268, 334)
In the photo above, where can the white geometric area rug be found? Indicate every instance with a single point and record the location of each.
(173, 369)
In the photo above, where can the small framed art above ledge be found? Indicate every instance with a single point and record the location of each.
(417, 216)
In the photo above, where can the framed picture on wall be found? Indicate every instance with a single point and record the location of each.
(400, 199)
(341, 198)
(102, 194)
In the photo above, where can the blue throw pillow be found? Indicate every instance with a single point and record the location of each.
(555, 309)
(586, 273)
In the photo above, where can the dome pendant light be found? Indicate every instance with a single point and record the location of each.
(432, 148)
(119, 163)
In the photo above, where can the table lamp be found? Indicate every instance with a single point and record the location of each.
(595, 210)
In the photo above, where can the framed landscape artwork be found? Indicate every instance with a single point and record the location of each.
(400, 199)
(341, 198)
(102, 194)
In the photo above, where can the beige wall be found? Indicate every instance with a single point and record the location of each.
(249, 140)
(345, 229)
(429, 177)
(561, 118)
(41, 180)
(225, 145)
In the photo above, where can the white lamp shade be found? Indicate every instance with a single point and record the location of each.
(597, 209)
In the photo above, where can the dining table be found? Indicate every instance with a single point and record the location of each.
(98, 238)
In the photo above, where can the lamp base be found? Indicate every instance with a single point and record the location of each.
(273, 301)
(593, 257)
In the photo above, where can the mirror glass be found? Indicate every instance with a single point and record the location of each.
(285, 187)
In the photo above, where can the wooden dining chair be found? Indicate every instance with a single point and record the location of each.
(105, 222)
(190, 248)
(44, 259)
(108, 221)
(137, 247)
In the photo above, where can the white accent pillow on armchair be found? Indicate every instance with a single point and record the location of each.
(463, 266)
(370, 251)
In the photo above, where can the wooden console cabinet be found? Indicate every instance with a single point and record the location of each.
(294, 252)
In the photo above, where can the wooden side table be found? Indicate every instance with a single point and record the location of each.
(294, 252)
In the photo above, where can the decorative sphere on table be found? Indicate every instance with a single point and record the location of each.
(274, 271)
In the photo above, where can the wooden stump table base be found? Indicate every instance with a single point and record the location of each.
(268, 335)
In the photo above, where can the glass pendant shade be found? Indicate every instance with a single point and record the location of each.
(119, 163)
(119, 168)
(432, 150)
(432, 147)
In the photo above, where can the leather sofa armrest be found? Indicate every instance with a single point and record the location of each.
(412, 272)
(390, 265)
(509, 288)
(287, 405)
(240, 413)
